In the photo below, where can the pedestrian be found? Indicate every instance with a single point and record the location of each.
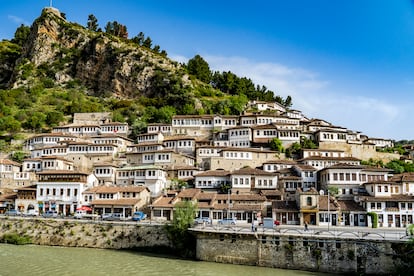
(252, 225)
(306, 226)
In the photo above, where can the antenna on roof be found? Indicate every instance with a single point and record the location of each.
(51, 4)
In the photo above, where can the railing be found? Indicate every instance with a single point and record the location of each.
(317, 232)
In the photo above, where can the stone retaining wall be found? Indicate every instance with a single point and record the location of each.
(86, 233)
(299, 252)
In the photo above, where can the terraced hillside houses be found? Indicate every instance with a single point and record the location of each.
(222, 163)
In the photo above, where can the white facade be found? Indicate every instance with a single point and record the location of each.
(152, 177)
(240, 137)
(211, 179)
(62, 190)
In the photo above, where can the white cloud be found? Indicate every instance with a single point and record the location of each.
(317, 97)
(18, 20)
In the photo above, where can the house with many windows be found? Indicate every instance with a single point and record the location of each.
(391, 200)
(212, 179)
(62, 190)
(150, 176)
(248, 179)
(116, 199)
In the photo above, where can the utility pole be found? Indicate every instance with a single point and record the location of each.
(329, 215)
(228, 199)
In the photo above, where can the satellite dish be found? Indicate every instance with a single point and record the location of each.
(321, 192)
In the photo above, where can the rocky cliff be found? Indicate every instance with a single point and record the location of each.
(65, 52)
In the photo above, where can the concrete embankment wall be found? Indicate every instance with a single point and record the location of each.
(86, 233)
(269, 250)
(299, 252)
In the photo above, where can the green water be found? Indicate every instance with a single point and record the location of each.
(46, 260)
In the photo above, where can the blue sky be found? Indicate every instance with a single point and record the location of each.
(348, 62)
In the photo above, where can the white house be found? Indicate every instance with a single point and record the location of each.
(212, 180)
(246, 179)
(153, 177)
(62, 190)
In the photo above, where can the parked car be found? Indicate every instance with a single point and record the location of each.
(227, 221)
(31, 213)
(138, 216)
(113, 216)
(79, 214)
(203, 220)
(106, 216)
(12, 213)
(50, 214)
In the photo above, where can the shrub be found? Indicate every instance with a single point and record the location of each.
(15, 238)
(374, 218)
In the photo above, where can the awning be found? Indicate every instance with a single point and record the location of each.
(84, 208)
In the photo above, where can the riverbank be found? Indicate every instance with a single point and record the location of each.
(287, 249)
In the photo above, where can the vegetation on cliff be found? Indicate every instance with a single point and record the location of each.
(56, 68)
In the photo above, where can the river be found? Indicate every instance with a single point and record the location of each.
(47, 260)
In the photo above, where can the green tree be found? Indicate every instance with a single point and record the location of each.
(288, 102)
(36, 121)
(147, 43)
(308, 143)
(9, 124)
(116, 29)
(18, 156)
(399, 166)
(293, 150)
(276, 144)
(92, 23)
(177, 231)
(334, 191)
(53, 118)
(21, 35)
(395, 166)
(156, 48)
(198, 67)
(138, 39)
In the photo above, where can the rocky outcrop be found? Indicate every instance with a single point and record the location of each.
(107, 65)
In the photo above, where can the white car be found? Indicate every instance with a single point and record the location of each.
(31, 213)
(227, 221)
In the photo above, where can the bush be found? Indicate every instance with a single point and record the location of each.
(374, 218)
(15, 238)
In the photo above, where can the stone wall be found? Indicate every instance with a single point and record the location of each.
(86, 233)
(363, 152)
(298, 252)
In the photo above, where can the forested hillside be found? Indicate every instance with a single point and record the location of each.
(55, 68)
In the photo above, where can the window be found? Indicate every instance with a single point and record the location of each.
(309, 201)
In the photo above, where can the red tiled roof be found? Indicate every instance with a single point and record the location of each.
(163, 202)
(116, 189)
(213, 173)
(119, 202)
(251, 171)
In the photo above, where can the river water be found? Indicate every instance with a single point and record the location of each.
(34, 260)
